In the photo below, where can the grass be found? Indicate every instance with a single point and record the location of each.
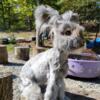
(24, 35)
(10, 47)
(17, 34)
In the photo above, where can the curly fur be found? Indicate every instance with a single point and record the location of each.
(44, 18)
(49, 67)
(69, 15)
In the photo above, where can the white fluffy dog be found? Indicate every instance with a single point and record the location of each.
(50, 67)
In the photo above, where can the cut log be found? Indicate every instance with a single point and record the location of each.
(22, 53)
(6, 88)
(3, 54)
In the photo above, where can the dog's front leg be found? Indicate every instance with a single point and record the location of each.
(51, 90)
(61, 94)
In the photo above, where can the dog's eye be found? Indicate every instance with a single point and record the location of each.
(68, 32)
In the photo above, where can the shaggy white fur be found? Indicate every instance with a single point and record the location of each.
(69, 15)
(50, 67)
(44, 18)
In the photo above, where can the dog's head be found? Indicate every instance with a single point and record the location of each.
(66, 34)
(65, 27)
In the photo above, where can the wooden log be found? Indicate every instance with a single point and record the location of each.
(3, 54)
(6, 88)
(22, 52)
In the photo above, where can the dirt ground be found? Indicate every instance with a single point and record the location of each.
(80, 93)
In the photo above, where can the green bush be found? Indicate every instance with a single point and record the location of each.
(12, 39)
(18, 14)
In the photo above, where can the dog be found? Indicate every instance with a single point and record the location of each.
(50, 67)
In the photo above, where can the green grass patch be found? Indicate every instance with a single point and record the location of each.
(10, 47)
(17, 34)
(24, 35)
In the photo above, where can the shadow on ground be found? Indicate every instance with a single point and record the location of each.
(14, 64)
(73, 96)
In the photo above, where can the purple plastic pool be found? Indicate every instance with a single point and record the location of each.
(84, 68)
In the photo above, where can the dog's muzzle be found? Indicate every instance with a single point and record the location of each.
(75, 43)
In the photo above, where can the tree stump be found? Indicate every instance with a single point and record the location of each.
(6, 89)
(22, 53)
(3, 54)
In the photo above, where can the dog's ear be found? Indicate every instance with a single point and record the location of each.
(75, 17)
(70, 16)
(43, 13)
(45, 16)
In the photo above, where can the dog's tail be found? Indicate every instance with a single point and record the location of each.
(43, 13)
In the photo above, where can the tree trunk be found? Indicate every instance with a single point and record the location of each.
(6, 90)
(3, 54)
(37, 2)
(22, 53)
(9, 14)
(3, 14)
